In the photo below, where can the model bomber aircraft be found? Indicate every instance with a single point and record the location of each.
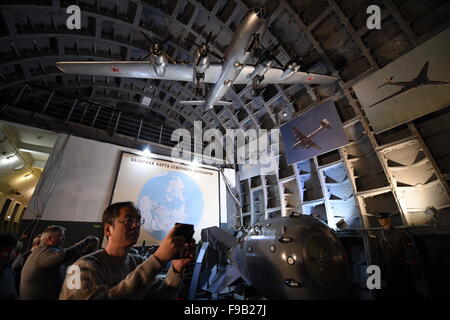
(233, 69)
(302, 140)
(422, 79)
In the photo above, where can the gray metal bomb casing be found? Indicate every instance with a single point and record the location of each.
(296, 257)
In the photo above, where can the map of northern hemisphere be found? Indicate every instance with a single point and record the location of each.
(168, 198)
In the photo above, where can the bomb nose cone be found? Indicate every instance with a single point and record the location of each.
(296, 257)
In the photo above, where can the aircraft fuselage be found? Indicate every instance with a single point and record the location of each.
(414, 84)
(236, 55)
(303, 142)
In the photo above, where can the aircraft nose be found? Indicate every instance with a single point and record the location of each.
(260, 12)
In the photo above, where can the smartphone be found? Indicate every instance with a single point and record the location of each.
(187, 231)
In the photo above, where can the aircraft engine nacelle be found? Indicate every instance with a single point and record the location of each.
(296, 257)
(159, 63)
(289, 71)
(260, 70)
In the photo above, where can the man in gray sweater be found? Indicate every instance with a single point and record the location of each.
(115, 273)
(44, 270)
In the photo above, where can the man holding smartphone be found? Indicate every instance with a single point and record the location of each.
(114, 273)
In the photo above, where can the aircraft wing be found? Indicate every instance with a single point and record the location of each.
(273, 75)
(299, 135)
(401, 91)
(304, 140)
(310, 143)
(138, 69)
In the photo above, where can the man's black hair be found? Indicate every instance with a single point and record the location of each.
(7, 241)
(113, 211)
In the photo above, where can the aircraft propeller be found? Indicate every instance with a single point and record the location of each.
(270, 55)
(255, 47)
(300, 61)
(156, 48)
(204, 48)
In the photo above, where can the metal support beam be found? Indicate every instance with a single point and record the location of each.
(430, 157)
(84, 113)
(160, 134)
(71, 110)
(19, 95)
(353, 34)
(140, 128)
(95, 117)
(117, 122)
(48, 101)
(402, 22)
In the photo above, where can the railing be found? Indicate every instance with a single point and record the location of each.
(92, 114)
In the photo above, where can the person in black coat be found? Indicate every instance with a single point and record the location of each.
(7, 275)
(397, 259)
(19, 262)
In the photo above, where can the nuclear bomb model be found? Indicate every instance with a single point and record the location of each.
(296, 257)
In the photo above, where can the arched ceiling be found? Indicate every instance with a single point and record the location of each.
(331, 35)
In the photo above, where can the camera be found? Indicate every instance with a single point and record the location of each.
(186, 230)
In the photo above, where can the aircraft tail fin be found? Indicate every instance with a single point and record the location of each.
(388, 81)
(423, 75)
(325, 123)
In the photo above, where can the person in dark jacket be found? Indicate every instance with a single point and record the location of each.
(44, 270)
(397, 259)
(19, 262)
(7, 275)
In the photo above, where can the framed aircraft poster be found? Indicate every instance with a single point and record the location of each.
(315, 132)
(412, 86)
(167, 192)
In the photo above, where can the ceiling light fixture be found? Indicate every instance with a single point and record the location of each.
(146, 152)
(19, 167)
(195, 163)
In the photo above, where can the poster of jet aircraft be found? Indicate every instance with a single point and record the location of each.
(418, 83)
(313, 133)
(234, 68)
(422, 79)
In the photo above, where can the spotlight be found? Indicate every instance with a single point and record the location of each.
(146, 152)
(195, 163)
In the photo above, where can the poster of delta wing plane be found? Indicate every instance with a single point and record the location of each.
(167, 192)
(414, 85)
(313, 133)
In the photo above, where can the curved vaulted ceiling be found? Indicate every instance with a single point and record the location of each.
(331, 35)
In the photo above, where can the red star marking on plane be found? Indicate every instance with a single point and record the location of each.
(114, 69)
(309, 78)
